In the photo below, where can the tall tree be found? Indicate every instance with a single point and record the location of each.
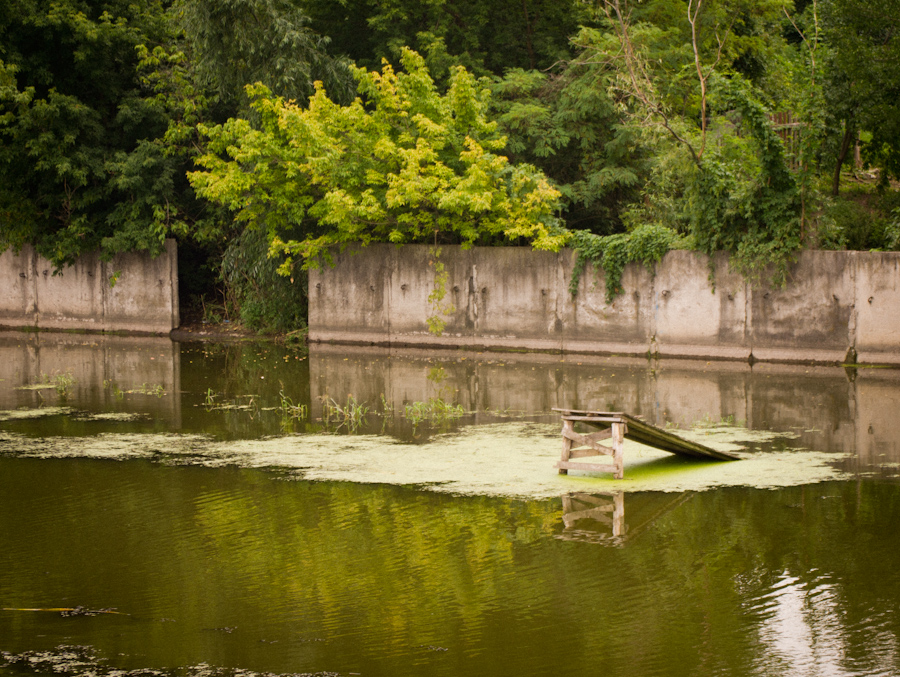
(863, 82)
(98, 107)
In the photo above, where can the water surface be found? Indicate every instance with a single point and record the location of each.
(218, 559)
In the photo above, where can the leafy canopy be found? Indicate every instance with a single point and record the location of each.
(402, 163)
(77, 162)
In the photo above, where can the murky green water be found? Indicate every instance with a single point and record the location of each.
(227, 537)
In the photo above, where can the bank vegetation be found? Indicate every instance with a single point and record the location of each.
(261, 133)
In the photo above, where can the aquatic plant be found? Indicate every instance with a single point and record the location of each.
(148, 389)
(113, 387)
(352, 414)
(59, 381)
(291, 412)
(62, 382)
(387, 409)
(434, 410)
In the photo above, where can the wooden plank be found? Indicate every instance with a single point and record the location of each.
(590, 411)
(642, 432)
(593, 467)
(591, 440)
(599, 435)
(648, 434)
(618, 439)
(602, 498)
(597, 419)
(621, 425)
(567, 429)
(581, 453)
(618, 515)
(571, 517)
(607, 507)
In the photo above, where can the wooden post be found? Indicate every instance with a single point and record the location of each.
(618, 440)
(618, 525)
(568, 426)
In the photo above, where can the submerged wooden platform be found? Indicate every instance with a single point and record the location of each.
(616, 426)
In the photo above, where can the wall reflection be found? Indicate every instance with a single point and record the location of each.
(832, 409)
(129, 373)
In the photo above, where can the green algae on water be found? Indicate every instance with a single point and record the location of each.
(505, 459)
(120, 416)
(38, 412)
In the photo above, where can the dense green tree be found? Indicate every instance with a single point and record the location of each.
(656, 126)
(99, 103)
(863, 82)
(407, 164)
(567, 124)
(485, 36)
(234, 43)
(77, 162)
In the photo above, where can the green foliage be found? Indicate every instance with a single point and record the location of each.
(861, 219)
(747, 202)
(862, 77)
(75, 127)
(408, 165)
(265, 300)
(239, 42)
(290, 412)
(435, 321)
(646, 244)
(570, 127)
(351, 415)
(481, 35)
(892, 232)
(435, 410)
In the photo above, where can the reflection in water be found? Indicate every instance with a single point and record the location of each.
(235, 567)
(597, 510)
(236, 390)
(600, 517)
(231, 568)
(110, 374)
(802, 629)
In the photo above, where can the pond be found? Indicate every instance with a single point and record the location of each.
(243, 509)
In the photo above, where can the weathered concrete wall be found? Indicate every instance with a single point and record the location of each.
(835, 305)
(143, 299)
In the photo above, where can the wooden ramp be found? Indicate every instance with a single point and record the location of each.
(616, 426)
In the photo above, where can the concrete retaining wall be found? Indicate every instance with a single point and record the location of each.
(835, 305)
(144, 298)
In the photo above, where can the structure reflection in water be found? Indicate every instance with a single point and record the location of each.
(596, 518)
(600, 517)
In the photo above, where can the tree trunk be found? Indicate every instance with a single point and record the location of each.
(849, 135)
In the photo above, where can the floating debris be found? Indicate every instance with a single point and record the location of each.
(67, 612)
(85, 660)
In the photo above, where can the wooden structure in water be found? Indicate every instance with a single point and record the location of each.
(616, 426)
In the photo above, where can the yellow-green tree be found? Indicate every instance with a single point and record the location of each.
(402, 163)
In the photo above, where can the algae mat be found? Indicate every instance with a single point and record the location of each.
(513, 459)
